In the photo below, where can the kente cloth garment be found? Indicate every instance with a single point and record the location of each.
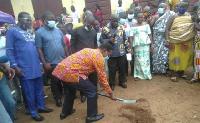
(160, 52)
(182, 29)
(180, 37)
(120, 45)
(80, 65)
(197, 57)
(141, 44)
(180, 56)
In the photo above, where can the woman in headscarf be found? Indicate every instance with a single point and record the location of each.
(179, 36)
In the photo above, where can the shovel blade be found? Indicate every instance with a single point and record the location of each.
(129, 101)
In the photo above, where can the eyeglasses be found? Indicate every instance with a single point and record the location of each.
(25, 19)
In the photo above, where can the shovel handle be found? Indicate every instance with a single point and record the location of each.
(109, 96)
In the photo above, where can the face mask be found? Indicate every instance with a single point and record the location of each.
(181, 11)
(160, 11)
(69, 32)
(130, 16)
(106, 58)
(122, 21)
(51, 24)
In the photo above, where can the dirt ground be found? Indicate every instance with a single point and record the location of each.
(158, 101)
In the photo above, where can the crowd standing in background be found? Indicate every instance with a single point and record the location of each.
(71, 54)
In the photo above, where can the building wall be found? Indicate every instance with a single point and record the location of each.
(79, 5)
(125, 3)
(26, 5)
(22, 6)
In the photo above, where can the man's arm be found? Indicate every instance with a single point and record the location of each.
(10, 71)
(168, 27)
(38, 44)
(104, 37)
(64, 45)
(99, 66)
(10, 52)
(67, 53)
(73, 41)
(95, 41)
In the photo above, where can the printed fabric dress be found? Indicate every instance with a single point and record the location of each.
(160, 52)
(141, 44)
(181, 36)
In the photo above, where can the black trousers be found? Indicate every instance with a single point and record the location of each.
(57, 85)
(115, 63)
(93, 78)
(88, 88)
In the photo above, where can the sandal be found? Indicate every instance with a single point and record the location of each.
(186, 77)
(191, 81)
(174, 79)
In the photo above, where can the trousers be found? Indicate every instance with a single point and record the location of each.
(33, 89)
(6, 99)
(88, 88)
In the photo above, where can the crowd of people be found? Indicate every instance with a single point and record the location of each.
(68, 55)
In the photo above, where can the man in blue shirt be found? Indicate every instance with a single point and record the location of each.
(24, 58)
(115, 34)
(52, 48)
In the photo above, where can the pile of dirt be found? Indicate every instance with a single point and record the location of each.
(138, 112)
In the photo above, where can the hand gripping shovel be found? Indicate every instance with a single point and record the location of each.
(119, 99)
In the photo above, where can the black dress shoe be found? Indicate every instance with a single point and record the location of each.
(45, 110)
(83, 98)
(58, 103)
(112, 87)
(94, 118)
(123, 85)
(63, 116)
(38, 118)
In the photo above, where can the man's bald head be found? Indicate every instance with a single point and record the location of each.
(89, 22)
(114, 16)
(114, 20)
(90, 18)
(176, 7)
(146, 8)
(86, 13)
(162, 5)
(137, 9)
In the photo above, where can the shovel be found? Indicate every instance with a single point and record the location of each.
(119, 99)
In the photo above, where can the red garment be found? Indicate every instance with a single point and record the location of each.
(67, 40)
(99, 15)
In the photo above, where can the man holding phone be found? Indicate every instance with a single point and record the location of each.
(115, 34)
